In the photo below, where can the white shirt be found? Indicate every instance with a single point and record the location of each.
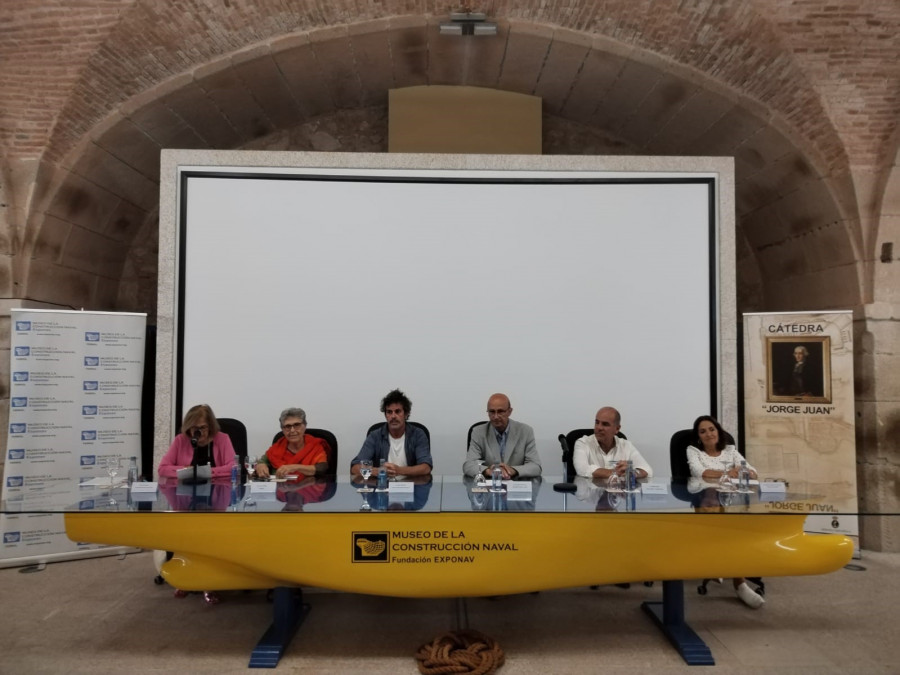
(588, 457)
(397, 454)
(699, 461)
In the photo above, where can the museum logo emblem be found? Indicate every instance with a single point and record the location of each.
(370, 547)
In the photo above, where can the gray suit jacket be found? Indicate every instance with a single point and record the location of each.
(521, 451)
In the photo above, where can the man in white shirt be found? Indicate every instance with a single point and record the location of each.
(604, 453)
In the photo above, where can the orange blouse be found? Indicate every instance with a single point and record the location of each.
(314, 451)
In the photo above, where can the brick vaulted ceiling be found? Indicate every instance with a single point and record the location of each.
(805, 95)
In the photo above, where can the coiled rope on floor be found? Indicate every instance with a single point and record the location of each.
(462, 651)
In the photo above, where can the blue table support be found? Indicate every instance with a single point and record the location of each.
(288, 612)
(669, 616)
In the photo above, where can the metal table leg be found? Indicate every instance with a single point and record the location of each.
(288, 612)
(669, 616)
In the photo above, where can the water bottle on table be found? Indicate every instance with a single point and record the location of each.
(382, 484)
(630, 477)
(132, 471)
(744, 477)
(497, 479)
(236, 471)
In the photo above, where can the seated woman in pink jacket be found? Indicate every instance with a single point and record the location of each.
(200, 440)
(199, 429)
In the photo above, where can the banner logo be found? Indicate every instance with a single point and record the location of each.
(90, 361)
(12, 537)
(17, 453)
(23, 325)
(88, 460)
(91, 385)
(18, 402)
(20, 376)
(14, 481)
(370, 547)
(18, 428)
(23, 351)
(92, 336)
(89, 410)
(89, 435)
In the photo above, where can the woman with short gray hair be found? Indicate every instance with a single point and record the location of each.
(295, 452)
(292, 412)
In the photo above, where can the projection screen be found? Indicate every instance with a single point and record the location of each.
(326, 288)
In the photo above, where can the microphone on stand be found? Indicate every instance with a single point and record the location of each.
(195, 441)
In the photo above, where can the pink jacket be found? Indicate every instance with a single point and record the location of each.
(180, 454)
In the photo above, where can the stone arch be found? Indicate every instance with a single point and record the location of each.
(792, 192)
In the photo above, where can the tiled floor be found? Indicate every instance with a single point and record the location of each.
(106, 615)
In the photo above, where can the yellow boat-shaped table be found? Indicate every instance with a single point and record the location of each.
(448, 537)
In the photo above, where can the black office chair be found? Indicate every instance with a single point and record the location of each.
(471, 429)
(237, 432)
(681, 472)
(415, 424)
(329, 438)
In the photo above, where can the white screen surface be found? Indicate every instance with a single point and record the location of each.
(326, 294)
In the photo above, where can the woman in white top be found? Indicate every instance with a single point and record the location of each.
(709, 459)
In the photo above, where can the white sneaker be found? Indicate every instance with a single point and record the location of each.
(750, 597)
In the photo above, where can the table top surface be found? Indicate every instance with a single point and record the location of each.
(433, 494)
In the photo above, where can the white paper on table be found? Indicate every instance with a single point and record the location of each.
(263, 487)
(103, 482)
(144, 486)
(736, 483)
(655, 489)
(204, 471)
(518, 487)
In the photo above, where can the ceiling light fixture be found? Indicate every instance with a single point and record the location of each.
(468, 23)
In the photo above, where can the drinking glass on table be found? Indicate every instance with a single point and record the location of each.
(725, 483)
(615, 483)
(365, 470)
(112, 469)
(250, 466)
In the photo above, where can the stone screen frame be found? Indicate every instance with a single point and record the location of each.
(174, 160)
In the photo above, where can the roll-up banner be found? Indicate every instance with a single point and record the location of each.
(799, 416)
(75, 400)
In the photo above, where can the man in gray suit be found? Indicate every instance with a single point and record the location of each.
(502, 442)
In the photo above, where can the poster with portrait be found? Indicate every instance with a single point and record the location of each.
(798, 369)
(799, 412)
